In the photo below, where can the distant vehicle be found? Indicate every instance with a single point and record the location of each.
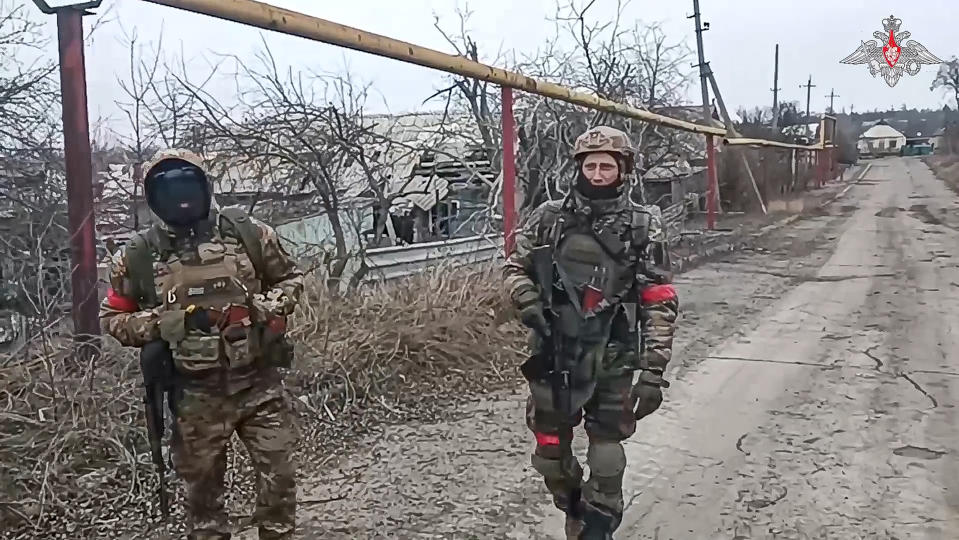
(916, 150)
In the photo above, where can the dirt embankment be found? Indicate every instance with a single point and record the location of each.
(946, 168)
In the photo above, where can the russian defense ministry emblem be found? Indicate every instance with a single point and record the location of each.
(895, 56)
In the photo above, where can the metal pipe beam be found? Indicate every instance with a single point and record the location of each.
(269, 17)
(744, 141)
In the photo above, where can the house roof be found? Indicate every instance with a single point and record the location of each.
(401, 148)
(881, 131)
(669, 170)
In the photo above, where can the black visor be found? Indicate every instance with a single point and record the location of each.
(178, 193)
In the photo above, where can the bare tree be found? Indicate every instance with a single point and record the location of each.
(479, 98)
(140, 141)
(631, 64)
(33, 234)
(948, 78)
(299, 133)
(29, 93)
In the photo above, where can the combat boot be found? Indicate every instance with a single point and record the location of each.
(597, 525)
(204, 534)
(574, 528)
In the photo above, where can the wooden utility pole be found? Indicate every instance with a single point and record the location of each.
(732, 129)
(775, 90)
(832, 96)
(712, 187)
(808, 86)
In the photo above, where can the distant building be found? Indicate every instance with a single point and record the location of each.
(938, 138)
(880, 140)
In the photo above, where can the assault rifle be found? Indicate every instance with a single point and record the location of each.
(553, 365)
(156, 365)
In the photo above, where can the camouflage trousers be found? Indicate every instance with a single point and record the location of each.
(607, 406)
(262, 419)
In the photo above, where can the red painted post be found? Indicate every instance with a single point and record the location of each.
(712, 185)
(509, 171)
(79, 168)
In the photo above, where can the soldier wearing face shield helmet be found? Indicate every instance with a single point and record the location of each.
(213, 287)
(590, 277)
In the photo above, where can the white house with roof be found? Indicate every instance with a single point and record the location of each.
(881, 139)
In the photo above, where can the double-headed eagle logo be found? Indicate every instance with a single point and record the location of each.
(891, 59)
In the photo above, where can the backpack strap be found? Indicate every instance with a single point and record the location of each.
(243, 229)
(639, 227)
(139, 259)
(551, 227)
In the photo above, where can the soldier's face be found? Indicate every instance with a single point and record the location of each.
(601, 169)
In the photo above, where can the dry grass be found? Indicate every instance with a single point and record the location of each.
(74, 459)
(946, 168)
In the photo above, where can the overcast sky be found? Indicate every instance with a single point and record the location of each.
(813, 36)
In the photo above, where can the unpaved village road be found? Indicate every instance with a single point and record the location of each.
(813, 395)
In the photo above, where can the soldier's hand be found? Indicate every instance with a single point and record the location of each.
(269, 304)
(532, 317)
(197, 318)
(649, 394)
(531, 311)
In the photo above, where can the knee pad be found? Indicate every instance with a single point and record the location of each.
(606, 459)
(548, 467)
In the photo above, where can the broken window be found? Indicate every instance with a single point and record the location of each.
(444, 217)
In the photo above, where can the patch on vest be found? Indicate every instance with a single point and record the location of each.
(195, 291)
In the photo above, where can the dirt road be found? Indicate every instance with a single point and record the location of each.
(813, 388)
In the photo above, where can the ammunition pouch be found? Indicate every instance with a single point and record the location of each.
(197, 354)
(260, 344)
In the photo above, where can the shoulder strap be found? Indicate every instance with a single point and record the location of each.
(639, 225)
(248, 234)
(139, 259)
(551, 226)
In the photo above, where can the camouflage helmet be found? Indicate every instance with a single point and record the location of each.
(177, 189)
(172, 153)
(604, 139)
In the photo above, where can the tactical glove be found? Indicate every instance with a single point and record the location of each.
(531, 311)
(649, 394)
(172, 325)
(270, 303)
(197, 318)
(175, 323)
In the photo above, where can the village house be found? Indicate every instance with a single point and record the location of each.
(880, 140)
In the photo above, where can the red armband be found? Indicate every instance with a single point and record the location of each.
(657, 293)
(546, 439)
(121, 303)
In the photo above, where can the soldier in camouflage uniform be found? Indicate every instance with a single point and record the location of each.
(590, 275)
(219, 293)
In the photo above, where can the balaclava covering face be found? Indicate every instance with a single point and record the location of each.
(593, 192)
(178, 193)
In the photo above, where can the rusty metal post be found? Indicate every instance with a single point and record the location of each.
(79, 168)
(833, 164)
(509, 171)
(712, 184)
(821, 166)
